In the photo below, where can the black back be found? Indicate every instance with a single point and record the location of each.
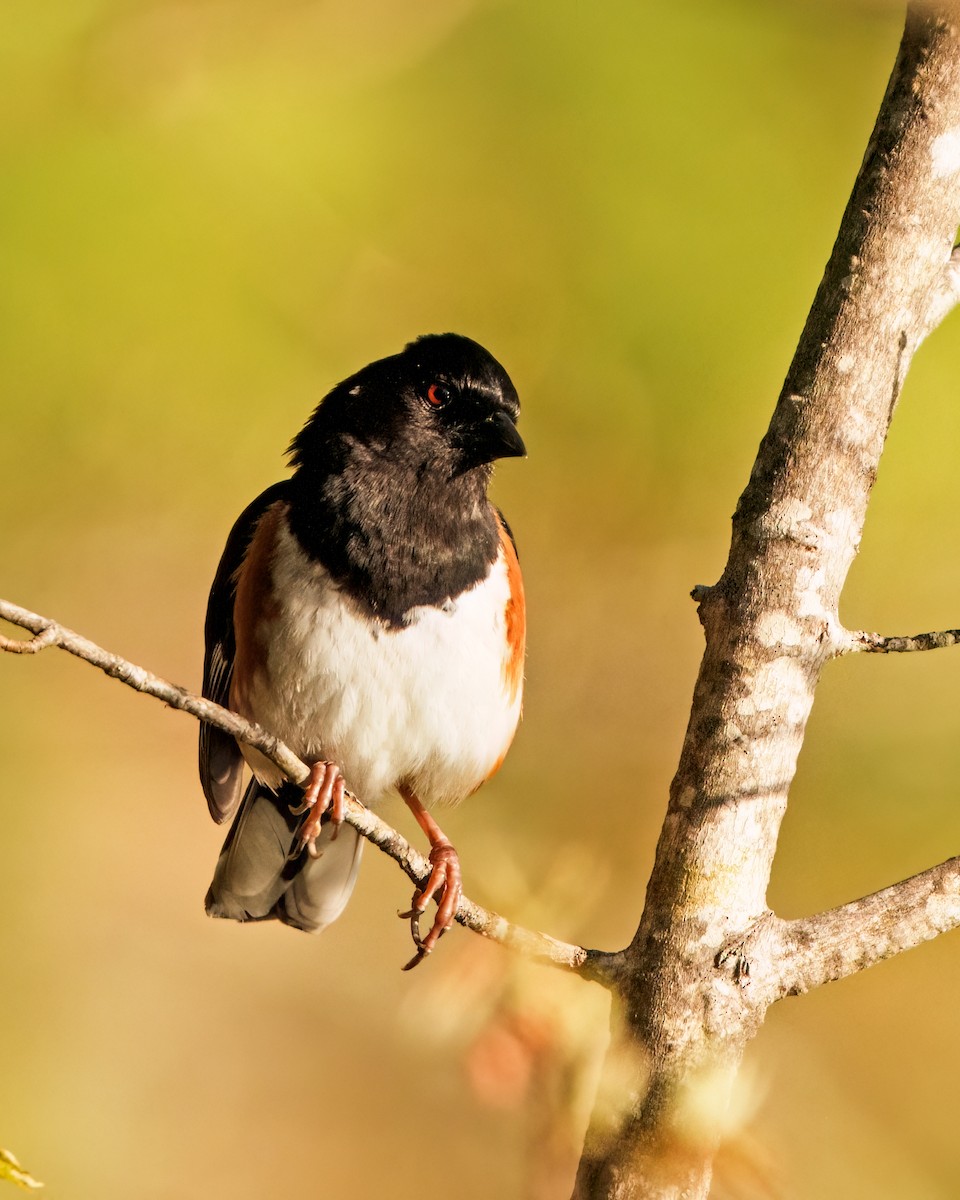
(221, 763)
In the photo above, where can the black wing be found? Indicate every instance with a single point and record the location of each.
(221, 763)
(509, 531)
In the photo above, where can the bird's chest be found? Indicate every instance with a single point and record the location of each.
(428, 704)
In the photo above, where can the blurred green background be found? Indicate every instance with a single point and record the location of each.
(210, 212)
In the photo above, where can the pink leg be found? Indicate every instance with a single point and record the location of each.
(445, 883)
(323, 792)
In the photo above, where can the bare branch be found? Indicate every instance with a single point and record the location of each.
(860, 642)
(591, 964)
(33, 645)
(833, 944)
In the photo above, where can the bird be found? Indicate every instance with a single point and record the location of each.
(369, 611)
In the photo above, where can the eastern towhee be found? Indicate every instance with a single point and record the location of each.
(369, 612)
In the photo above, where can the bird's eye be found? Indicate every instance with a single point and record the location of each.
(438, 394)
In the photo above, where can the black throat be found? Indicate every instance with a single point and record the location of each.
(395, 535)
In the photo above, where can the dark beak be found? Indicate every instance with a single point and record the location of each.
(493, 436)
(499, 437)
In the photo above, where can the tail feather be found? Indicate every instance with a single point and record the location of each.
(256, 880)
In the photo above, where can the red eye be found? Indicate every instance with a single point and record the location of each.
(438, 394)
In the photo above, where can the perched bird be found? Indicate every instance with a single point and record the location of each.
(368, 611)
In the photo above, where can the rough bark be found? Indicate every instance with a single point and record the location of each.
(771, 625)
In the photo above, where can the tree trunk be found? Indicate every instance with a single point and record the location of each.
(771, 625)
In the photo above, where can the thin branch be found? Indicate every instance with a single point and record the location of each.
(833, 944)
(33, 645)
(591, 964)
(860, 642)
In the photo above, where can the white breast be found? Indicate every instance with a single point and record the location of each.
(428, 704)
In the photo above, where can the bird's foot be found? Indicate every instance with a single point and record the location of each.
(323, 793)
(445, 882)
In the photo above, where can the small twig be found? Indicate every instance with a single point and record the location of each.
(33, 645)
(591, 964)
(860, 642)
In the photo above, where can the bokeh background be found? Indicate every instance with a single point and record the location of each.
(211, 211)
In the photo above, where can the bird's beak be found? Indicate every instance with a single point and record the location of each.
(499, 437)
(492, 437)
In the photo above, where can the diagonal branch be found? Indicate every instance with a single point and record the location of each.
(591, 964)
(841, 941)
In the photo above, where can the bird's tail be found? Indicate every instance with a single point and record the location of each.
(257, 880)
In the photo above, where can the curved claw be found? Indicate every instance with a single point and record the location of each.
(444, 882)
(422, 949)
(413, 915)
(418, 958)
(323, 793)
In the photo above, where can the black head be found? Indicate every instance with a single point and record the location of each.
(443, 403)
(390, 488)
